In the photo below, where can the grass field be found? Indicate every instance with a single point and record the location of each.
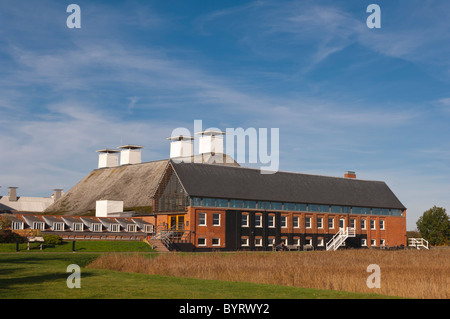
(43, 276)
(405, 273)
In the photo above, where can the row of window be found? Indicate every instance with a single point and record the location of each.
(295, 221)
(271, 242)
(262, 205)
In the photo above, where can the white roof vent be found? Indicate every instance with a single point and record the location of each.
(130, 154)
(108, 158)
(181, 146)
(211, 141)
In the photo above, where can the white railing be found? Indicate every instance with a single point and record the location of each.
(418, 242)
(340, 237)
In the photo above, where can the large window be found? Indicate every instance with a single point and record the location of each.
(236, 203)
(244, 220)
(307, 222)
(249, 204)
(216, 219)
(258, 221)
(283, 222)
(222, 202)
(202, 219)
(271, 221)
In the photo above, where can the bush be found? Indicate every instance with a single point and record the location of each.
(7, 236)
(52, 240)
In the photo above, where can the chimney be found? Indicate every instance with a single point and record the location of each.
(13, 194)
(181, 146)
(350, 174)
(130, 154)
(108, 158)
(211, 141)
(57, 193)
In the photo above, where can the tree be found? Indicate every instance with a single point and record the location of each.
(434, 226)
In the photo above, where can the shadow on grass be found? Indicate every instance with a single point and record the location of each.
(38, 279)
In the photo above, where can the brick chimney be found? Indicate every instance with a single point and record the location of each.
(350, 174)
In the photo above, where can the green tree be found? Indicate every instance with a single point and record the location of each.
(434, 226)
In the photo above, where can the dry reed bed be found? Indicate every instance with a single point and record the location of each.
(405, 273)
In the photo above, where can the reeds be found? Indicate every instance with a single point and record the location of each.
(404, 273)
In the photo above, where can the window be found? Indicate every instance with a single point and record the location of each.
(295, 222)
(258, 242)
(216, 241)
(16, 225)
(258, 221)
(283, 221)
(249, 204)
(307, 222)
(320, 241)
(196, 201)
(216, 219)
(209, 202)
(236, 203)
(330, 222)
(382, 224)
(396, 212)
(324, 208)
(308, 241)
(363, 224)
(340, 209)
(263, 205)
(301, 207)
(297, 241)
(244, 241)
(202, 219)
(244, 220)
(289, 206)
(373, 242)
(313, 208)
(376, 211)
(319, 222)
(276, 205)
(382, 242)
(222, 202)
(58, 226)
(363, 242)
(77, 227)
(356, 210)
(271, 221)
(365, 211)
(96, 227)
(271, 241)
(372, 224)
(131, 228)
(284, 241)
(38, 225)
(352, 222)
(201, 241)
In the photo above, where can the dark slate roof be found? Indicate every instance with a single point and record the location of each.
(204, 180)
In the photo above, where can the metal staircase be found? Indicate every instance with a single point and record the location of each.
(340, 237)
(418, 243)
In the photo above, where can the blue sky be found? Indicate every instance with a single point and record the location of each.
(345, 97)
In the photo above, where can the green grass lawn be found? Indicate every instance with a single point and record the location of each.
(82, 246)
(25, 275)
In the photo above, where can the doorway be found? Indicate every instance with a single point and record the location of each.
(176, 222)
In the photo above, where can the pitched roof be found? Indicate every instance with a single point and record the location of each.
(220, 181)
(132, 184)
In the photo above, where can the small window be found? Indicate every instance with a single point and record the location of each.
(320, 241)
(363, 224)
(216, 241)
(330, 222)
(283, 222)
(297, 241)
(16, 225)
(320, 222)
(295, 222)
(244, 241)
(96, 227)
(271, 221)
(307, 222)
(216, 219)
(244, 220)
(382, 242)
(382, 224)
(364, 242)
(284, 241)
(308, 241)
(373, 242)
(352, 223)
(201, 241)
(271, 241)
(258, 221)
(372, 224)
(202, 219)
(258, 242)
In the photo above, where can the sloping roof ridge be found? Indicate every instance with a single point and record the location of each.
(284, 172)
(125, 165)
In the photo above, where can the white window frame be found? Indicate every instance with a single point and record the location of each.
(296, 222)
(382, 224)
(16, 225)
(244, 242)
(373, 243)
(258, 221)
(297, 241)
(201, 239)
(363, 224)
(218, 241)
(201, 219)
(320, 242)
(332, 223)
(216, 221)
(319, 222)
(58, 226)
(373, 225)
(96, 227)
(271, 221)
(308, 222)
(38, 225)
(284, 221)
(258, 242)
(364, 242)
(270, 241)
(244, 220)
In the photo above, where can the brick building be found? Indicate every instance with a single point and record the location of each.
(215, 207)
